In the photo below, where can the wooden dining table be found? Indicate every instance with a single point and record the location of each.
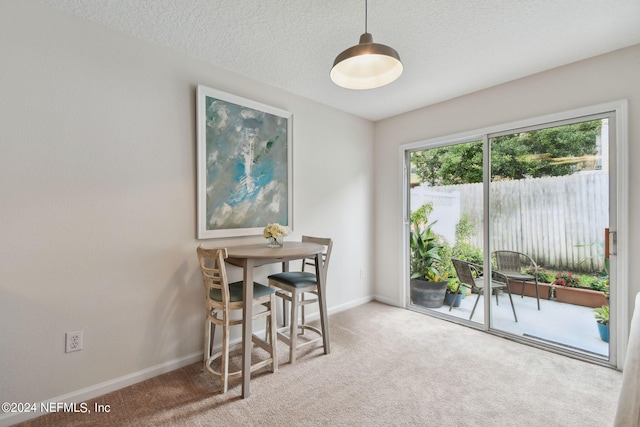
(248, 257)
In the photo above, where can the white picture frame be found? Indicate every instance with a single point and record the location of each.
(244, 165)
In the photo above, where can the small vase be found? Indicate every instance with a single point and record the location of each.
(274, 242)
(456, 298)
(603, 330)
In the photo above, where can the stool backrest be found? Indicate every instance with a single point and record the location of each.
(326, 254)
(214, 274)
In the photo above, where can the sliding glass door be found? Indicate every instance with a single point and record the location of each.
(445, 226)
(549, 220)
(510, 232)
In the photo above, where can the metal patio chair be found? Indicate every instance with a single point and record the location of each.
(512, 263)
(470, 275)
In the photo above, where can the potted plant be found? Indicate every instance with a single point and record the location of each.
(454, 293)
(427, 285)
(602, 319)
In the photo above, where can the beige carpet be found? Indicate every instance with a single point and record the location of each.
(388, 366)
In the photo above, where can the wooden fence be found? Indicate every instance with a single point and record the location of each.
(559, 221)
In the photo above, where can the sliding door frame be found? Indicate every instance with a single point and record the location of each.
(619, 165)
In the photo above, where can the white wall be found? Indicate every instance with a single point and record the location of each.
(97, 190)
(594, 81)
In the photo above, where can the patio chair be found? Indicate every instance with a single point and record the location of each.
(511, 264)
(470, 275)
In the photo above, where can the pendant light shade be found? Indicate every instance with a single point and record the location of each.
(367, 65)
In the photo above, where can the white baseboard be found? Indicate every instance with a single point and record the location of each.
(350, 304)
(97, 390)
(78, 396)
(387, 301)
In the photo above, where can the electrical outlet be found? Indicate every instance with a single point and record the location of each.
(362, 273)
(73, 341)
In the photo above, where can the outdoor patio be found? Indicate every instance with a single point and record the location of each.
(566, 325)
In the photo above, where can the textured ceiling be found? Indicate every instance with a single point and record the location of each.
(448, 48)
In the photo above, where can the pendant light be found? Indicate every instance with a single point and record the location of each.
(367, 65)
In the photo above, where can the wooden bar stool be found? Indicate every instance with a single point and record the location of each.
(220, 299)
(295, 287)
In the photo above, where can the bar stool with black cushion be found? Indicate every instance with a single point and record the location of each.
(221, 298)
(296, 287)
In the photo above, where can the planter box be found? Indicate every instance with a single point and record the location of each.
(530, 289)
(580, 296)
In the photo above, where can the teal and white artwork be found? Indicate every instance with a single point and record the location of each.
(244, 165)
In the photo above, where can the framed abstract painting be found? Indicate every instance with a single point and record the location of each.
(244, 155)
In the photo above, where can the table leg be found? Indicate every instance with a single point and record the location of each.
(285, 268)
(247, 326)
(324, 320)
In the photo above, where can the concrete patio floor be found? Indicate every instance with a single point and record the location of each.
(565, 325)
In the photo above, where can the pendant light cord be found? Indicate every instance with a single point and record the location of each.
(367, 65)
(366, 13)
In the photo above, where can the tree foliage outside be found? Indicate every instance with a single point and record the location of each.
(555, 151)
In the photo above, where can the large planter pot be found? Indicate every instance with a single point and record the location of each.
(530, 289)
(456, 298)
(427, 294)
(603, 330)
(580, 296)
